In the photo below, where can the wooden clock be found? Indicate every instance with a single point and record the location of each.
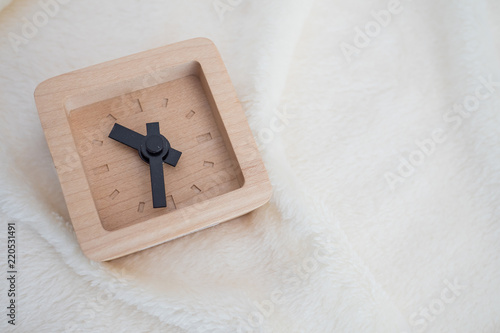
(150, 147)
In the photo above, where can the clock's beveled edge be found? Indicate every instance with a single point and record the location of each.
(100, 244)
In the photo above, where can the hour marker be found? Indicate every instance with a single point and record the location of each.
(140, 208)
(171, 202)
(140, 105)
(111, 117)
(196, 189)
(208, 164)
(165, 102)
(102, 169)
(204, 137)
(114, 194)
(190, 114)
(97, 142)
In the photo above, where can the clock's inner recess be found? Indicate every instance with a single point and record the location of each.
(120, 181)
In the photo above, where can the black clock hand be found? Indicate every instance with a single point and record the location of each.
(126, 136)
(154, 149)
(157, 182)
(172, 157)
(154, 146)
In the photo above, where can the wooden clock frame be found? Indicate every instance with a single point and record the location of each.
(186, 88)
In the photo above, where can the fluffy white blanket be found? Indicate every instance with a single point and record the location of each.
(379, 126)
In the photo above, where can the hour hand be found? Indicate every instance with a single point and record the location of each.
(126, 136)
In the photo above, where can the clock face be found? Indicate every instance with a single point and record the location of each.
(119, 180)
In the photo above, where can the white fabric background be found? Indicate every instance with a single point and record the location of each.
(337, 249)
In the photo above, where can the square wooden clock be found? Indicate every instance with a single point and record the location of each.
(151, 147)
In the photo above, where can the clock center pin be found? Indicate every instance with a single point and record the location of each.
(154, 144)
